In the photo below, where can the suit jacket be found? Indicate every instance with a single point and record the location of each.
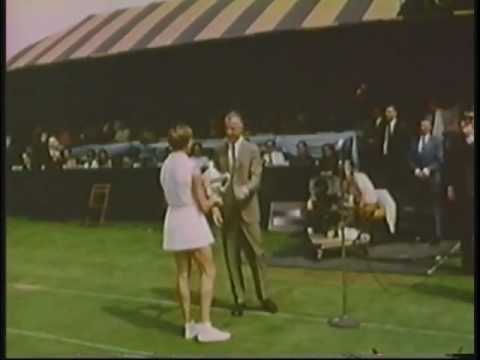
(247, 173)
(430, 157)
(397, 144)
(460, 167)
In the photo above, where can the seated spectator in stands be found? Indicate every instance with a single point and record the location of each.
(68, 161)
(55, 152)
(65, 138)
(147, 136)
(135, 156)
(127, 162)
(273, 156)
(122, 135)
(27, 159)
(107, 133)
(90, 160)
(103, 160)
(198, 156)
(40, 157)
(329, 161)
(303, 157)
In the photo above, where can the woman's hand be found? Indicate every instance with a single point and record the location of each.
(217, 216)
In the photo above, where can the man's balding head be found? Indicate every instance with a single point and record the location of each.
(233, 126)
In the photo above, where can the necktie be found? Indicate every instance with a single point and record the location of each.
(421, 144)
(386, 139)
(234, 160)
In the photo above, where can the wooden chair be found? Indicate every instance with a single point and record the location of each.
(99, 199)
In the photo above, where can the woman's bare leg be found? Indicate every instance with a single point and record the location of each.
(183, 261)
(206, 264)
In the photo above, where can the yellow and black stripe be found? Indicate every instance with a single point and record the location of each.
(183, 21)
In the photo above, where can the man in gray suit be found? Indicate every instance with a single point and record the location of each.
(426, 158)
(241, 226)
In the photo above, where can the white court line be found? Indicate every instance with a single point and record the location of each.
(42, 335)
(310, 318)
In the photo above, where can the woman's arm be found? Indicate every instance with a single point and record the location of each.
(200, 195)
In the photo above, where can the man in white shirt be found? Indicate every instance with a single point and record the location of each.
(273, 156)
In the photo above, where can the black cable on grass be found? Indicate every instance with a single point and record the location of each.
(376, 277)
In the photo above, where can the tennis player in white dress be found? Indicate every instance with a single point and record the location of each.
(187, 233)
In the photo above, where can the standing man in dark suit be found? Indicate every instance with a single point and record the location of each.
(393, 151)
(460, 171)
(426, 158)
(241, 227)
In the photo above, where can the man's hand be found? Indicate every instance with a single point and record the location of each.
(217, 217)
(242, 192)
(418, 173)
(310, 204)
(426, 172)
(451, 193)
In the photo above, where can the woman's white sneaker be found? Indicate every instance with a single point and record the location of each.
(191, 330)
(208, 333)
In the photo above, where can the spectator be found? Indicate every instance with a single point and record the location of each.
(393, 152)
(147, 136)
(107, 133)
(273, 156)
(329, 161)
(27, 157)
(90, 160)
(68, 161)
(303, 157)
(426, 158)
(55, 152)
(103, 160)
(444, 117)
(460, 175)
(65, 138)
(122, 134)
(40, 156)
(198, 157)
(127, 162)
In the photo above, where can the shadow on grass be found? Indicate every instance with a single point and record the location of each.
(145, 316)
(449, 292)
(170, 294)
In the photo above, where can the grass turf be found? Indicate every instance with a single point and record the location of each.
(108, 291)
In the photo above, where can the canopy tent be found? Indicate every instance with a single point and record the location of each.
(301, 61)
(184, 21)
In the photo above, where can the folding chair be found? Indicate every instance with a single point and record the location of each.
(99, 199)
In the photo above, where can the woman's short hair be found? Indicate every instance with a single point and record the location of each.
(179, 136)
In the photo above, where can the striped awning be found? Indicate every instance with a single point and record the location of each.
(181, 21)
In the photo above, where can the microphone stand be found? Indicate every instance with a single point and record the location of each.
(344, 321)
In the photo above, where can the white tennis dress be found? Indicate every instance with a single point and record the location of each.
(185, 227)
